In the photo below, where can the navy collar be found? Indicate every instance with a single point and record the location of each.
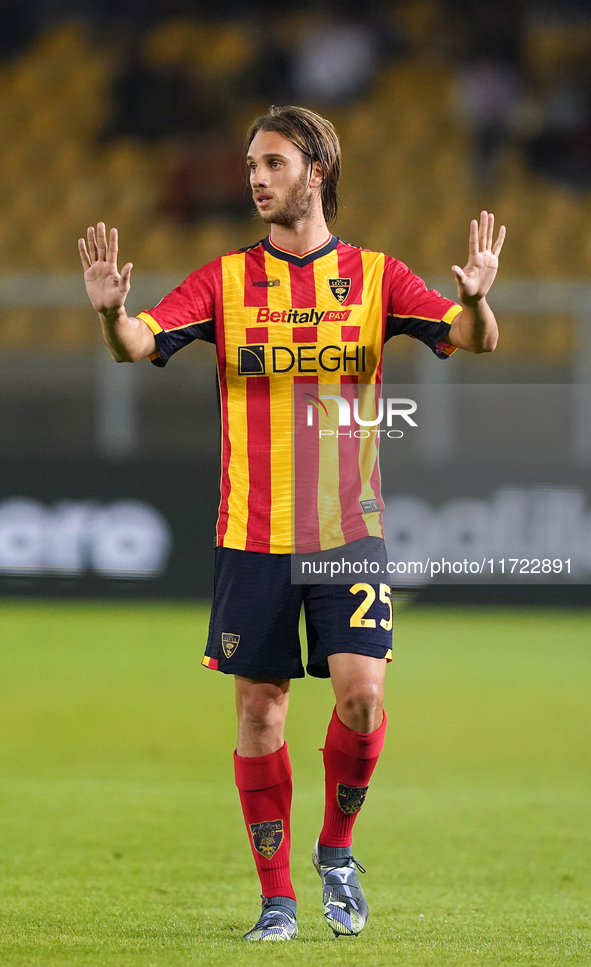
(301, 260)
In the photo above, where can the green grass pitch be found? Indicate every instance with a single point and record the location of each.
(121, 839)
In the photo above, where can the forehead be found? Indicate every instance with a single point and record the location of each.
(271, 142)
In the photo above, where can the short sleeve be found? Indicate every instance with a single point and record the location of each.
(415, 310)
(185, 314)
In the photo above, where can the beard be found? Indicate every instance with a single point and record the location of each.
(296, 206)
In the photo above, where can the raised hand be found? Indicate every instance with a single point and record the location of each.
(478, 274)
(107, 288)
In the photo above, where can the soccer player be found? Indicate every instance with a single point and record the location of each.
(297, 313)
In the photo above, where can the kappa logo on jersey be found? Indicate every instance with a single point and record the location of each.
(230, 643)
(340, 288)
(351, 798)
(267, 283)
(267, 837)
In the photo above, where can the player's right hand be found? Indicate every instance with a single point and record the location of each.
(107, 288)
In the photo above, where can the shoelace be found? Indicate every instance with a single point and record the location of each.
(354, 862)
(351, 861)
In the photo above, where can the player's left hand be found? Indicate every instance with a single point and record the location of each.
(478, 274)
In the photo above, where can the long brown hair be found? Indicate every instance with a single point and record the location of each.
(317, 140)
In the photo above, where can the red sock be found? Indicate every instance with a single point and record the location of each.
(349, 760)
(264, 784)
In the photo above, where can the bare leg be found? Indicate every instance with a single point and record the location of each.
(261, 707)
(358, 683)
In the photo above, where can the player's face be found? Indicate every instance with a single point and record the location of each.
(282, 181)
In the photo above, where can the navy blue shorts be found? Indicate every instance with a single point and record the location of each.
(254, 624)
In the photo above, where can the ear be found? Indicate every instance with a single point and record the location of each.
(316, 176)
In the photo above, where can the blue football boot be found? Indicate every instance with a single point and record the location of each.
(277, 920)
(345, 906)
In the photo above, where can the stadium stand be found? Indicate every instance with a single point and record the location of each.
(407, 182)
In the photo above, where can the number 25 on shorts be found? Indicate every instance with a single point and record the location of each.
(358, 619)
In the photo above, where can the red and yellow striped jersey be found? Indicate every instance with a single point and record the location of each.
(289, 330)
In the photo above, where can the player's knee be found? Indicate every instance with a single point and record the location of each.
(258, 720)
(362, 704)
(261, 713)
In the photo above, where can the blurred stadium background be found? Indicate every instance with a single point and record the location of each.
(115, 794)
(134, 112)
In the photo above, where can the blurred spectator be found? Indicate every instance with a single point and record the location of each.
(269, 78)
(155, 102)
(554, 119)
(493, 31)
(558, 144)
(205, 177)
(335, 61)
(489, 92)
(491, 80)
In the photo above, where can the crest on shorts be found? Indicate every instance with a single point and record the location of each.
(351, 798)
(267, 837)
(340, 288)
(229, 643)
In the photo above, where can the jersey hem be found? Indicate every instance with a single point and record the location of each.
(346, 645)
(254, 671)
(302, 549)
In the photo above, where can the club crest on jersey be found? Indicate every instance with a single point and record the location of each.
(351, 798)
(229, 643)
(267, 837)
(340, 288)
